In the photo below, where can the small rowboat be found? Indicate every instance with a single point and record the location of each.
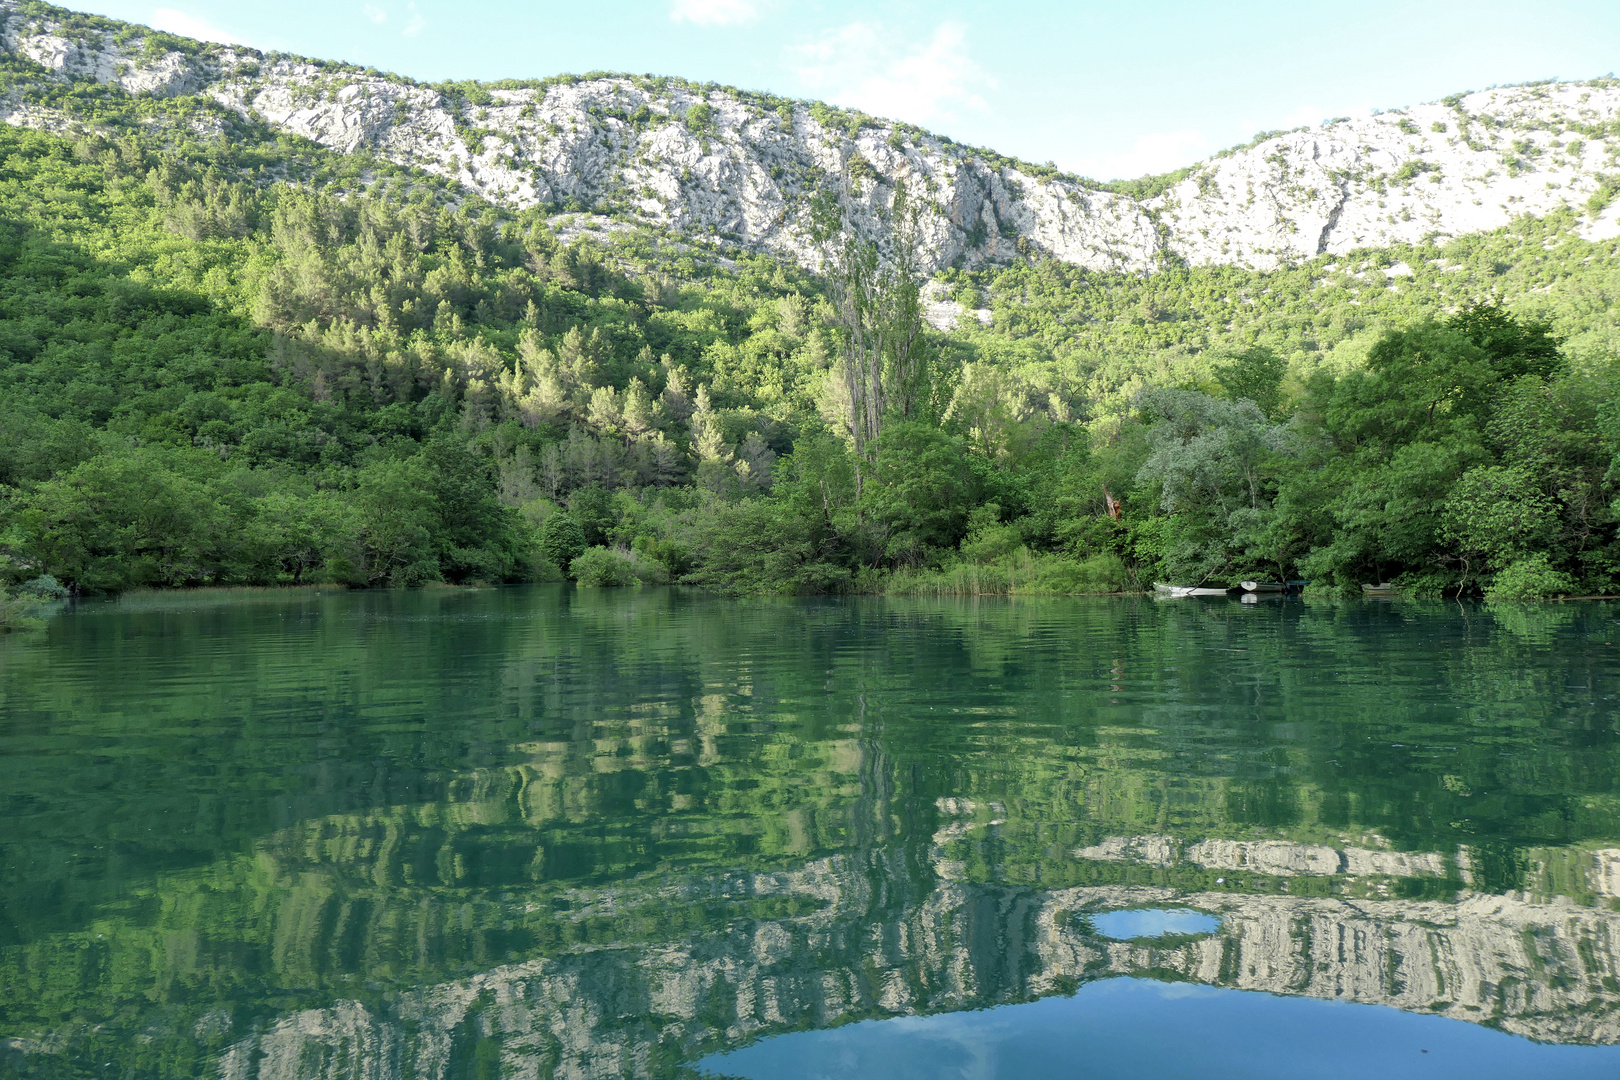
(1265, 586)
(1385, 589)
(1185, 590)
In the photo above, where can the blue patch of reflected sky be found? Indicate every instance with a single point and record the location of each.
(1132, 1028)
(1153, 922)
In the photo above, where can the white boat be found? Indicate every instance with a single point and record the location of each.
(1185, 590)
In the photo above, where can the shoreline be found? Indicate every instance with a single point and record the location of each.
(268, 591)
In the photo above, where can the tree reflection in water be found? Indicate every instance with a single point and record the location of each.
(536, 832)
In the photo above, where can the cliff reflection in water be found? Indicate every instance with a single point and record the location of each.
(536, 833)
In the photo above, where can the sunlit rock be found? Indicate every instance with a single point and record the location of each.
(738, 169)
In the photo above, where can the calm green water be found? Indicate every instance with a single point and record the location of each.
(540, 832)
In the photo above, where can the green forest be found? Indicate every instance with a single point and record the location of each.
(248, 361)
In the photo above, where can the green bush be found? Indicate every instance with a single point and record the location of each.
(660, 561)
(44, 587)
(1426, 584)
(603, 568)
(700, 118)
(595, 510)
(562, 540)
(1531, 578)
(1096, 575)
(1021, 573)
(968, 295)
(960, 579)
(1608, 188)
(542, 569)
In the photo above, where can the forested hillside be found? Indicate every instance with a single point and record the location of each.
(209, 380)
(231, 356)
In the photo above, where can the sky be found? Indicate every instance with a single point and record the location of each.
(1108, 90)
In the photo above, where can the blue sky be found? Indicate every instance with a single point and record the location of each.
(1103, 89)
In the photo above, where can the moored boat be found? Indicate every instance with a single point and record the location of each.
(1186, 590)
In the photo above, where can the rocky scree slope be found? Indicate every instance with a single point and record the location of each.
(741, 168)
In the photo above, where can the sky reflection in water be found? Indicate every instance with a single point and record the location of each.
(1153, 922)
(1127, 1029)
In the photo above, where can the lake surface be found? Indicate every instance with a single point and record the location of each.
(541, 832)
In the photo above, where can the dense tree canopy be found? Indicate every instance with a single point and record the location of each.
(211, 374)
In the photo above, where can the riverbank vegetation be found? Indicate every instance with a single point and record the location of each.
(209, 375)
(16, 612)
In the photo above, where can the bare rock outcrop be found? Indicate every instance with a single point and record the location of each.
(741, 168)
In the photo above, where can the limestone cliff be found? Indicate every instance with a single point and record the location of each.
(740, 168)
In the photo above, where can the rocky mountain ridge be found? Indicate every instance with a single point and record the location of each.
(740, 168)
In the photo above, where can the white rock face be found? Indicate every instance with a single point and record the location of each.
(1278, 858)
(1604, 877)
(746, 173)
(1433, 170)
(1283, 859)
(1153, 850)
(943, 313)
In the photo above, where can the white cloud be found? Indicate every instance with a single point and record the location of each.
(1173, 991)
(178, 22)
(713, 12)
(1159, 152)
(862, 66)
(375, 14)
(416, 24)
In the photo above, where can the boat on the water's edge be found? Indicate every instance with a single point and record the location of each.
(1292, 586)
(1186, 590)
(1383, 589)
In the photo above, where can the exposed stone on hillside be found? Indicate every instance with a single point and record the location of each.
(721, 164)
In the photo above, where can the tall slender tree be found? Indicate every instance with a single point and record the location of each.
(877, 299)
